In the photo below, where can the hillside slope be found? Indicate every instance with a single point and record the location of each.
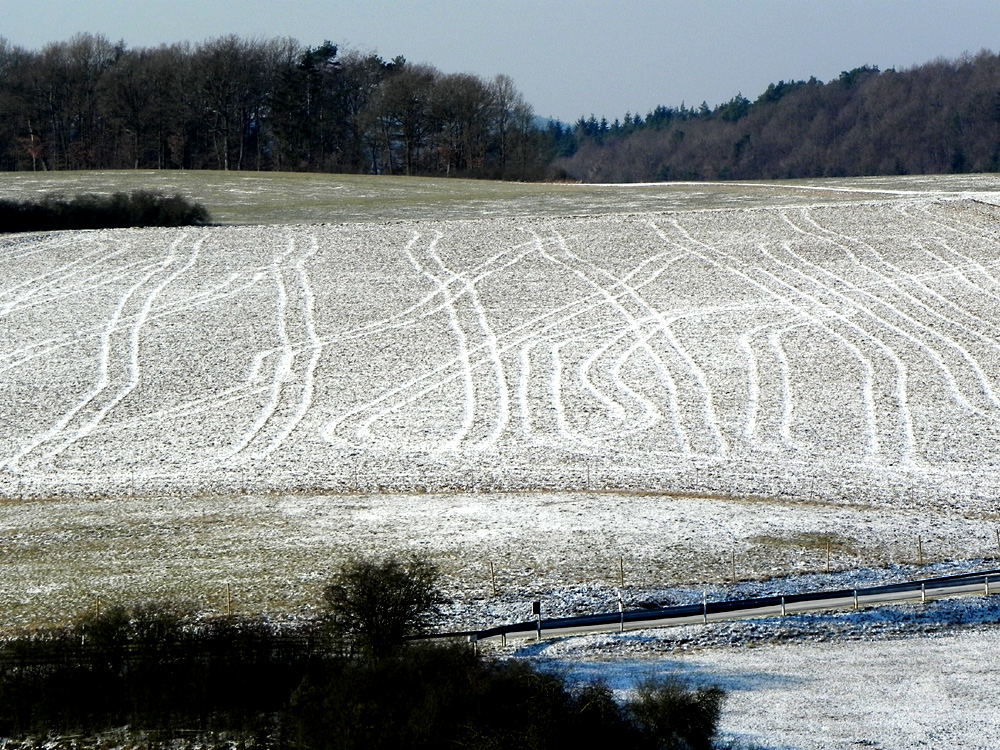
(847, 351)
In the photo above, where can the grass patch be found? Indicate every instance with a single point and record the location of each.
(808, 540)
(309, 198)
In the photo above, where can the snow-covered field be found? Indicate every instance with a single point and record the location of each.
(925, 691)
(686, 389)
(847, 353)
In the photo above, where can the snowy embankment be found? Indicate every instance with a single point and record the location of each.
(918, 692)
(900, 676)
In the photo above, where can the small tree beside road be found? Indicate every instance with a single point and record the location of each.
(374, 605)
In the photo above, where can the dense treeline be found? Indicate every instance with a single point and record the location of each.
(154, 667)
(239, 104)
(941, 117)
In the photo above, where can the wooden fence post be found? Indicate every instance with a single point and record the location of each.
(493, 578)
(828, 555)
(734, 567)
(621, 571)
(920, 550)
(229, 599)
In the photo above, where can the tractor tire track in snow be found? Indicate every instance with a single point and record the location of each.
(700, 348)
(119, 367)
(290, 392)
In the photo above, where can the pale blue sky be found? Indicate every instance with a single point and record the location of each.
(568, 58)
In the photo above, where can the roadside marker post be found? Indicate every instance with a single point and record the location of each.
(536, 609)
(621, 612)
(923, 593)
(782, 606)
(704, 607)
(621, 571)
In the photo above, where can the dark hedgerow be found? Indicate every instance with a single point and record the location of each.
(429, 697)
(153, 667)
(142, 208)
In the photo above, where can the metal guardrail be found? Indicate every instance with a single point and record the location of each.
(983, 581)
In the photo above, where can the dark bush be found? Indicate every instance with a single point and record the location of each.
(438, 697)
(375, 605)
(141, 208)
(675, 716)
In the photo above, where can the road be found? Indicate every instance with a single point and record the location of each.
(983, 582)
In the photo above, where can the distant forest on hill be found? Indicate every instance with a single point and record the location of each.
(941, 117)
(239, 104)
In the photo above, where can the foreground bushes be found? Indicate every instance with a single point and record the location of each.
(138, 209)
(151, 667)
(439, 697)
